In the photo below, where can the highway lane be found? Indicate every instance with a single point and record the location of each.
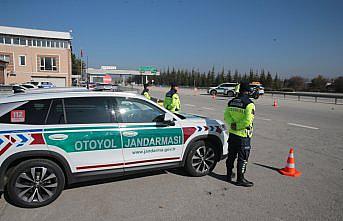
(171, 195)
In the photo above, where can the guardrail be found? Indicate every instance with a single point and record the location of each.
(306, 94)
(128, 89)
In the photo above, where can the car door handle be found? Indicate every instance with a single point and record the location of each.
(58, 137)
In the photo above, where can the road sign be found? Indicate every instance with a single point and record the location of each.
(107, 79)
(150, 69)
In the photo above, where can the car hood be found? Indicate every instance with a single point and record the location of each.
(198, 120)
(191, 116)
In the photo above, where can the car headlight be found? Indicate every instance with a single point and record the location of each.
(223, 127)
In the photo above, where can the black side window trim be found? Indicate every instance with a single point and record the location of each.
(47, 114)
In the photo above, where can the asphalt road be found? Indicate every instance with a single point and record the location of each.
(315, 131)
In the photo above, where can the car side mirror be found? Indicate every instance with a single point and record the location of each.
(168, 117)
(165, 120)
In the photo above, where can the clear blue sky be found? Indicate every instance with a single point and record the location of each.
(303, 37)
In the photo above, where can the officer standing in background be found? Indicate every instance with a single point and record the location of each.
(237, 89)
(145, 91)
(172, 99)
(239, 116)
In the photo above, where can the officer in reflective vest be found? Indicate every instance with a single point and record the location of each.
(239, 116)
(145, 91)
(172, 100)
(237, 90)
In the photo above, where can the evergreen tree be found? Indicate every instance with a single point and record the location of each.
(262, 77)
(228, 77)
(251, 76)
(209, 80)
(277, 83)
(222, 76)
(245, 77)
(256, 76)
(204, 81)
(269, 81)
(217, 80)
(235, 76)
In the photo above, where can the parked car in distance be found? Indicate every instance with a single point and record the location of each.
(29, 86)
(42, 84)
(224, 89)
(103, 87)
(106, 87)
(257, 87)
(18, 89)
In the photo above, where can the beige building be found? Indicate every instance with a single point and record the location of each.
(35, 55)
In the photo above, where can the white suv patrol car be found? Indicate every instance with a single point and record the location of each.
(56, 138)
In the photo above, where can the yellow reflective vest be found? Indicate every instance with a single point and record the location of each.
(240, 111)
(172, 101)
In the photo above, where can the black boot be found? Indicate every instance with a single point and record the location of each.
(230, 176)
(241, 181)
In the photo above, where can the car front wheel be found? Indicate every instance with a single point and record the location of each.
(201, 159)
(213, 92)
(35, 183)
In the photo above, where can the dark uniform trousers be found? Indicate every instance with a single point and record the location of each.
(238, 146)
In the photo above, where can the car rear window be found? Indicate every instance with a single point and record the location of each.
(32, 112)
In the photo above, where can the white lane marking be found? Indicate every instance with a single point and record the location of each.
(260, 118)
(304, 126)
(207, 108)
(190, 105)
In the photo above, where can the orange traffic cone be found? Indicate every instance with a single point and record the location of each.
(290, 170)
(275, 103)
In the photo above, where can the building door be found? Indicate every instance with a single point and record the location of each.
(2, 75)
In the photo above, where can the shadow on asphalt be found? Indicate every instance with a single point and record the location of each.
(218, 176)
(115, 179)
(218, 97)
(266, 166)
(178, 171)
(100, 181)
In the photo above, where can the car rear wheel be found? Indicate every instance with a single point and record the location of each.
(201, 159)
(213, 92)
(35, 183)
(230, 93)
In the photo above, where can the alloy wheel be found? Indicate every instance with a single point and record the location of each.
(203, 159)
(36, 184)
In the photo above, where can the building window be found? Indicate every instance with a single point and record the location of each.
(34, 42)
(48, 44)
(5, 57)
(22, 41)
(48, 64)
(2, 40)
(16, 41)
(29, 42)
(39, 43)
(7, 40)
(43, 43)
(22, 60)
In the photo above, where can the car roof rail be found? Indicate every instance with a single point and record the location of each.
(53, 90)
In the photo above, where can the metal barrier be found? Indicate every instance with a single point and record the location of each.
(306, 94)
(127, 89)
